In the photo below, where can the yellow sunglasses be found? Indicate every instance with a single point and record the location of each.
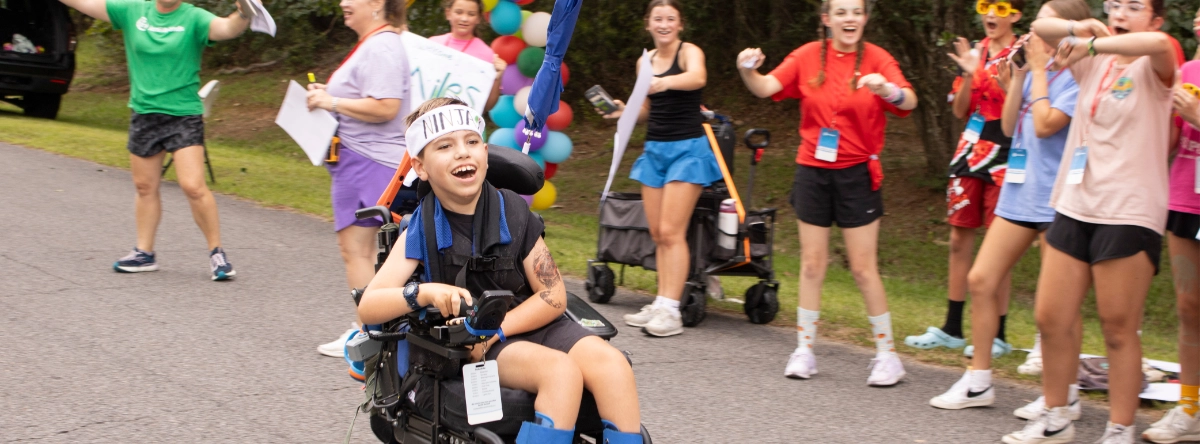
(1002, 9)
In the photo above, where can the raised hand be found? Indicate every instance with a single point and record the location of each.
(750, 58)
(966, 57)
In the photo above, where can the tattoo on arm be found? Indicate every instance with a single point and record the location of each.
(546, 269)
(547, 273)
(549, 299)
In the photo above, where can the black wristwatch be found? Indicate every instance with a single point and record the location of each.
(410, 295)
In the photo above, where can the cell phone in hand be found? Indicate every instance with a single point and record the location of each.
(601, 100)
(1018, 58)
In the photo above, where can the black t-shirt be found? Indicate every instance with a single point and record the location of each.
(460, 224)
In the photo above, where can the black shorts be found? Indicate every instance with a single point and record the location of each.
(822, 196)
(1094, 243)
(1041, 227)
(1184, 225)
(561, 335)
(150, 134)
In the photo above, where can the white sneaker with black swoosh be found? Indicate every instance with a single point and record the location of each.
(961, 396)
(1053, 426)
(1033, 409)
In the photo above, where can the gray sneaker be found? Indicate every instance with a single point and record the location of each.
(221, 268)
(641, 318)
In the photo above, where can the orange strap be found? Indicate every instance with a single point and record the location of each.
(389, 194)
(741, 211)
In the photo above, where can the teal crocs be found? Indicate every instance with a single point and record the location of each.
(933, 338)
(999, 348)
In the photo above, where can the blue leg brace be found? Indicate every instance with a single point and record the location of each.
(612, 435)
(544, 432)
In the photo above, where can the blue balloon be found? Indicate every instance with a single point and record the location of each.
(537, 157)
(557, 149)
(503, 137)
(506, 18)
(504, 115)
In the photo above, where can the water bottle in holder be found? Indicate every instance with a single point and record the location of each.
(727, 224)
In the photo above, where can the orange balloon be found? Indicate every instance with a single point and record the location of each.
(562, 119)
(508, 48)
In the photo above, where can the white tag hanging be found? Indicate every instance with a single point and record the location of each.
(481, 382)
(1078, 164)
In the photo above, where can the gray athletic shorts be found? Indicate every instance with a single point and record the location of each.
(150, 134)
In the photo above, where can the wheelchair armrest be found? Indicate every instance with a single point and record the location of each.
(440, 350)
(379, 211)
(580, 312)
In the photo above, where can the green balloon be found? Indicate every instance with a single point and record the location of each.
(530, 61)
(524, 15)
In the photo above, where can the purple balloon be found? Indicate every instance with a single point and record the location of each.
(512, 80)
(528, 199)
(535, 144)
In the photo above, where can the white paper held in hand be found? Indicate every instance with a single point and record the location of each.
(481, 382)
(312, 130)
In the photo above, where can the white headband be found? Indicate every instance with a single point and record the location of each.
(437, 123)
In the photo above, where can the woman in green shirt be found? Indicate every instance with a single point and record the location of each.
(163, 43)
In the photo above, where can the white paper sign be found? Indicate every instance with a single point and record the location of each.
(313, 130)
(629, 118)
(481, 382)
(440, 71)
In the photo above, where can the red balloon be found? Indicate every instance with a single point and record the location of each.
(523, 2)
(551, 168)
(508, 48)
(566, 73)
(561, 119)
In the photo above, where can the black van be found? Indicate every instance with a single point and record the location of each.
(37, 55)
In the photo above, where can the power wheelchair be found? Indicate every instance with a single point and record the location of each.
(414, 388)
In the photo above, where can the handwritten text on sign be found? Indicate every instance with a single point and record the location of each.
(440, 71)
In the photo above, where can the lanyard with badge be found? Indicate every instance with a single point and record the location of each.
(1079, 156)
(976, 122)
(827, 145)
(1019, 155)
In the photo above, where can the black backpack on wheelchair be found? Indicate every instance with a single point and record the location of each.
(415, 392)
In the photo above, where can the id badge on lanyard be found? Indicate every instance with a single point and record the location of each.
(974, 128)
(1078, 164)
(481, 384)
(827, 146)
(1017, 158)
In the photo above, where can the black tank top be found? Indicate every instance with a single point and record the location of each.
(675, 115)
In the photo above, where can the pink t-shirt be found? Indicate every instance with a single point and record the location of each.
(1125, 177)
(1184, 184)
(476, 47)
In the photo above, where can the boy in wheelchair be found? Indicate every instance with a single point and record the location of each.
(466, 223)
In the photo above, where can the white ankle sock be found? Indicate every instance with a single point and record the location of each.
(806, 328)
(667, 303)
(881, 327)
(1037, 344)
(980, 379)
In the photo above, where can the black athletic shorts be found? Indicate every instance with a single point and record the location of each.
(822, 196)
(1094, 243)
(1041, 227)
(561, 335)
(150, 134)
(1184, 225)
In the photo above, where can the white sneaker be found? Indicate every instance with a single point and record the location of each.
(715, 291)
(801, 365)
(960, 395)
(1032, 365)
(1050, 427)
(664, 323)
(337, 348)
(1175, 426)
(641, 318)
(1118, 434)
(1032, 410)
(886, 370)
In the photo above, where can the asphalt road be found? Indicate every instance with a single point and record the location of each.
(90, 355)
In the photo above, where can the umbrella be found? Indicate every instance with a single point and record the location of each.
(547, 85)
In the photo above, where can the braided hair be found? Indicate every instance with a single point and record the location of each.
(826, 42)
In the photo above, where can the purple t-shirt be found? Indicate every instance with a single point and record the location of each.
(1184, 186)
(379, 70)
